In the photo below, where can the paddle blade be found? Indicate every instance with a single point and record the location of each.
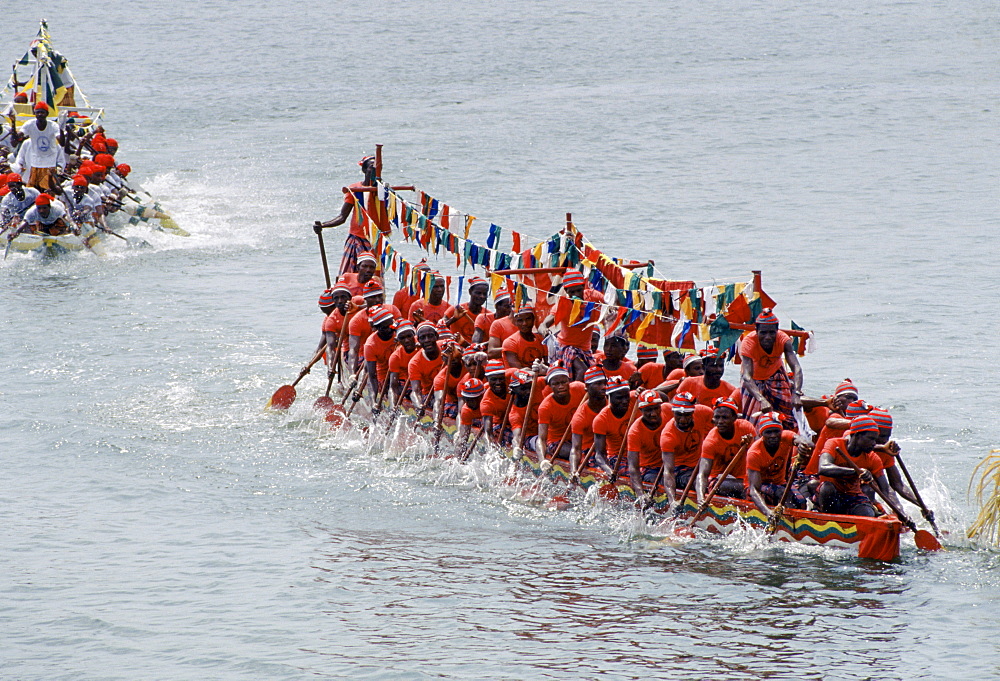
(335, 416)
(282, 398)
(324, 404)
(560, 502)
(926, 541)
(608, 491)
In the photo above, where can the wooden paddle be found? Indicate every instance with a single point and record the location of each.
(356, 397)
(679, 508)
(924, 539)
(284, 396)
(336, 414)
(652, 492)
(318, 228)
(779, 509)
(324, 402)
(719, 480)
(923, 507)
(468, 451)
(519, 445)
(377, 406)
(503, 421)
(335, 363)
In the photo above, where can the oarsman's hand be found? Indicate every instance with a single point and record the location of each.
(866, 476)
(352, 306)
(928, 514)
(331, 374)
(644, 499)
(746, 439)
(796, 400)
(305, 370)
(892, 447)
(546, 465)
(635, 380)
(317, 226)
(418, 315)
(765, 405)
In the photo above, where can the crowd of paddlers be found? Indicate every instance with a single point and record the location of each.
(665, 420)
(55, 178)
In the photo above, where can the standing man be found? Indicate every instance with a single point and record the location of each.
(357, 239)
(41, 156)
(463, 317)
(575, 339)
(764, 379)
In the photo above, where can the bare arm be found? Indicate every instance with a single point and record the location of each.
(754, 480)
(345, 211)
(704, 468)
(746, 374)
(793, 363)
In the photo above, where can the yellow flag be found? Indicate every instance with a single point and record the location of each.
(468, 224)
(647, 319)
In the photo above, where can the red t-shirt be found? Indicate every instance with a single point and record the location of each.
(773, 469)
(686, 445)
(580, 336)
(702, 395)
(399, 362)
(816, 417)
(626, 370)
(613, 429)
(367, 199)
(583, 423)
(721, 451)
(652, 374)
(379, 351)
(443, 380)
(468, 415)
(424, 370)
(402, 300)
(558, 416)
(465, 325)
(360, 326)
(826, 434)
(764, 364)
(432, 313)
(850, 485)
(483, 321)
(646, 441)
(526, 351)
(502, 328)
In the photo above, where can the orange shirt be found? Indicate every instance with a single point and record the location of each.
(652, 374)
(888, 460)
(367, 201)
(828, 433)
(483, 321)
(402, 300)
(773, 469)
(721, 451)
(817, 416)
(468, 415)
(613, 429)
(850, 485)
(443, 380)
(582, 423)
(432, 313)
(764, 364)
(558, 416)
(502, 328)
(526, 351)
(424, 370)
(626, 370)
(646, 441)
(702, 395)
(465, 325)
(399, 362)
(686, 445)
(379, 351)
(360, 326)
(494, 406)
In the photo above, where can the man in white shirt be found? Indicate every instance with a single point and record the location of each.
(41, 156)
(46, 217)
(16, 203)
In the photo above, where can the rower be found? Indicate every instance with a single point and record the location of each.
(582, 425)
(765, 383)
(485, 319)
(682, 438)
(556, 411)
(501, 328)
(840, 485)
(359, 328)
(400, 358)
(496, 398)
(46, 217)
(574, 341)
(669, 371)
(335, 303)
(357, 237)
(434, 307)
(448, 378)
(379, 346)
(520, 418)
(709, 386)
(525, 346)
(611, 426)
(41, 156)
(471, 391)
(79, 203)
(768, 461)
(721, 444)
(643, 444)
(367, 266)
(615, 363)
(887, 449)
(463, 318)
(424, 366)
(16, 203)
(835, 425)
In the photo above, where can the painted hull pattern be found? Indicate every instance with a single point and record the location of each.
(57, 245)
(870, 538)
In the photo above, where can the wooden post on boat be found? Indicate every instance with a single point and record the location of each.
(756, 281)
